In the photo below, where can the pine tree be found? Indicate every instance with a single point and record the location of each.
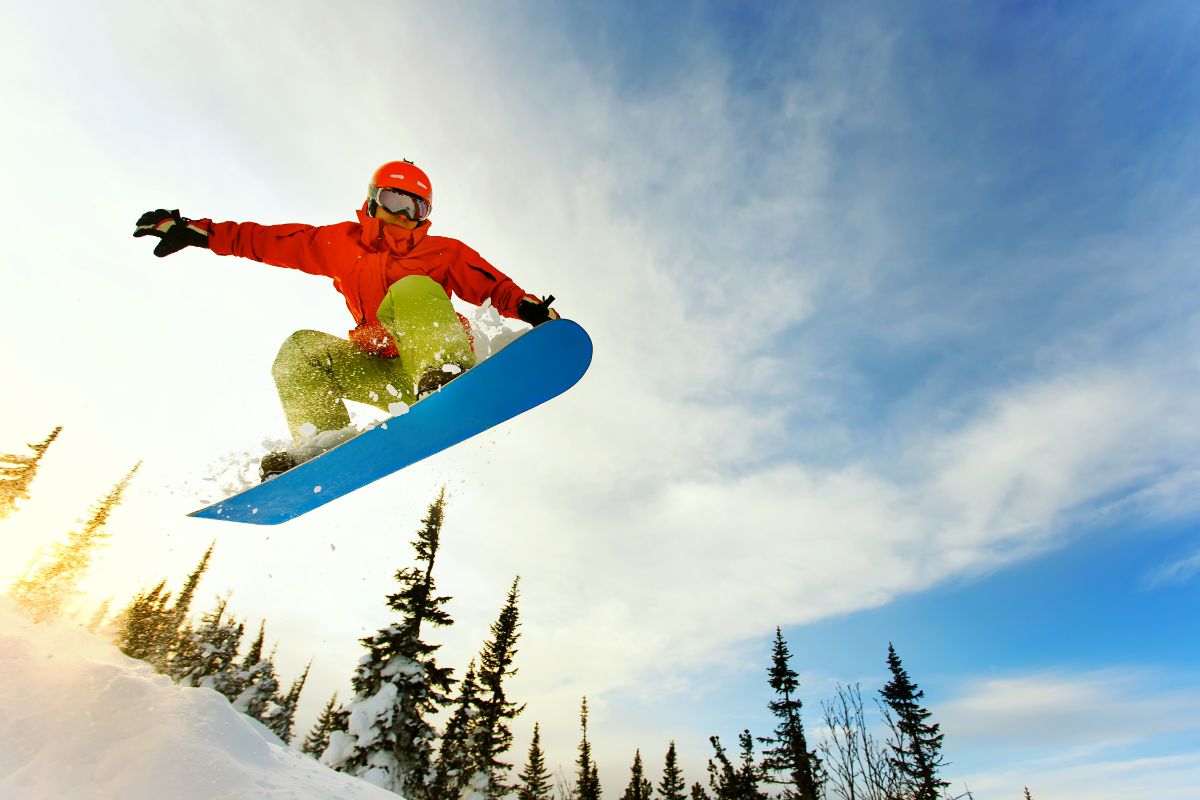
(458, 740)
(318, 737)
(917, 744)
(183, 604)
(17, 473)
(698, 792)
(142, 627)
(398, 685)
(535, 778)
(255, 682)
(730, 782)
(280, 716)
(152, 629)
(672, 785)
(587, 778)
(493, 737)
(1028, 796)
(798, 767)
(44, 594)
(174, 629)
(639, 787)
(208, 655)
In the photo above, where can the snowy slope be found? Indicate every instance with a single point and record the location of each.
(79, 720)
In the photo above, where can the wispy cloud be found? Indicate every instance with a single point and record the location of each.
(1175, 573)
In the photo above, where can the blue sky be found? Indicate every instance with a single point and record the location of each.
(895, 316)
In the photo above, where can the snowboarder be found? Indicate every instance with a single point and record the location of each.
(407, 342)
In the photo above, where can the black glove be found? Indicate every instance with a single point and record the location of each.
(535, 311)
(175, 231)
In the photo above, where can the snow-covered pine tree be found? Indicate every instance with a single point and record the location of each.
(318, 737)
(458, 740)
(639, 787)
(735, 783)
(492, 734)
(587, 776)
(208, 655)
(255, 681)
(672, 785)
(788, 761)
(916, 744)
(43, 594)
(17, 473)
(398, 685)
(280, 717)
(535, 778)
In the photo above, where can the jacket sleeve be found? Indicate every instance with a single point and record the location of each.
(295, 246)
(475, 280)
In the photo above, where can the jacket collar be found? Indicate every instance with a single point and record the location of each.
(378, 237)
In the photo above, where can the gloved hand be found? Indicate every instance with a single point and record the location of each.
(535, 311)
(176, 232)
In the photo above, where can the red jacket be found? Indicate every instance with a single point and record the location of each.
(364, 258)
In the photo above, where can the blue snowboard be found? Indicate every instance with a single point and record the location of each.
(539, 365)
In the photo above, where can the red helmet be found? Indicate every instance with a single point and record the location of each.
(405, 176)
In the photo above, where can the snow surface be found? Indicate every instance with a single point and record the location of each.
(78, 719)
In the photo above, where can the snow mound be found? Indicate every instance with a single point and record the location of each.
(79, 719)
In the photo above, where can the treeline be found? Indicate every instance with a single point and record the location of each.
(849, 762)
(156, 629)
(388, 732)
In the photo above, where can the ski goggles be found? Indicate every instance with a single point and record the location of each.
(397, 202)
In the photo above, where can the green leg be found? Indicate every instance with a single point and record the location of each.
(314, 371)
(418, 313)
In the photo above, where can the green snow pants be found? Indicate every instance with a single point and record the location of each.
(315, 371)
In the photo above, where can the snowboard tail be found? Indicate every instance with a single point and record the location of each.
(538, 366)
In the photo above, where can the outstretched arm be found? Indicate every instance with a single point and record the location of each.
(294, 245)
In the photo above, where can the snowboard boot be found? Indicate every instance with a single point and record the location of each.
(275, 464)
(436, 378)
(309, 444)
